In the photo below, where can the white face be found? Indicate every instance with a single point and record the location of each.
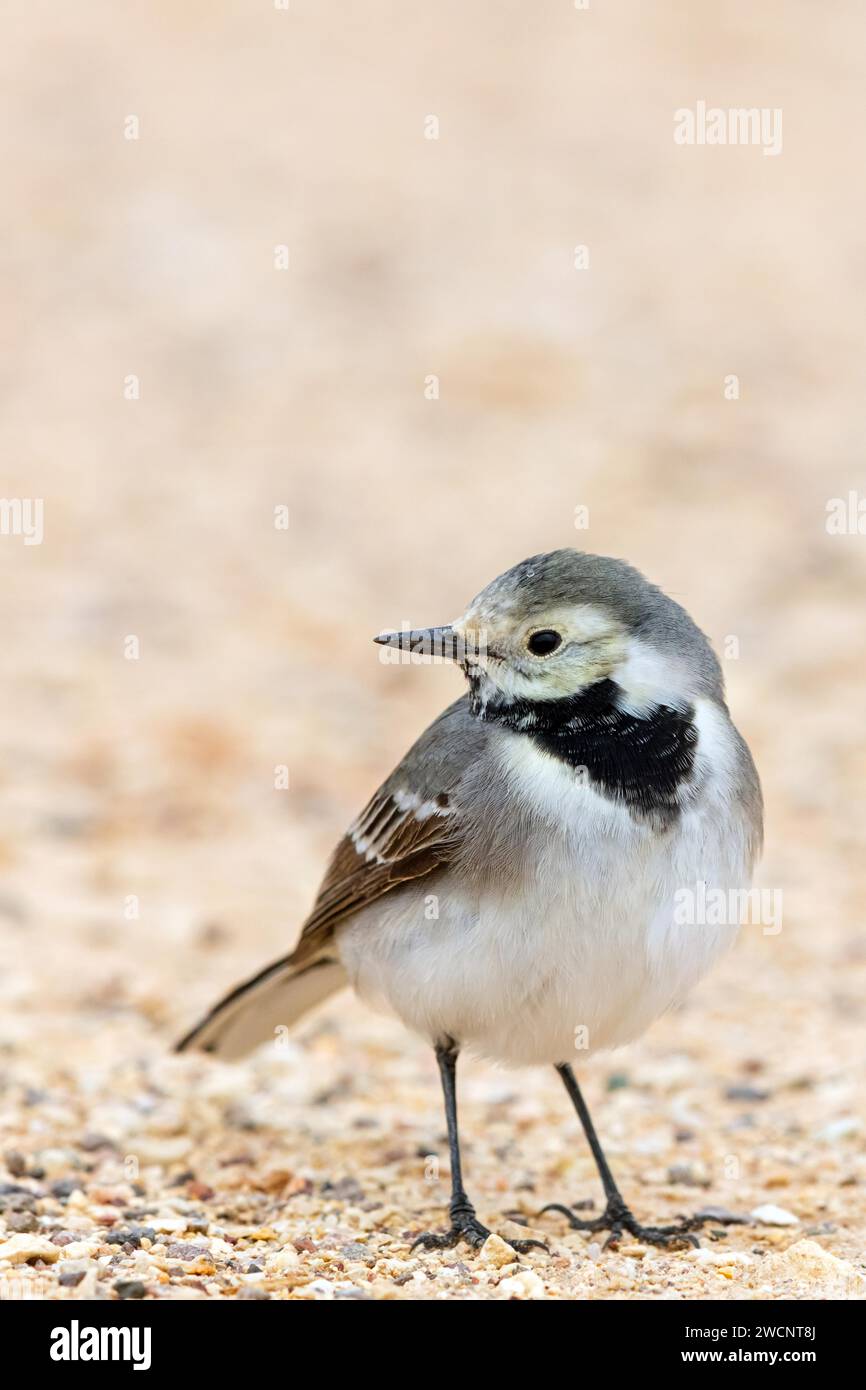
(557, 653)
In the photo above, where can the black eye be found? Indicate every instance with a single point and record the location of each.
(544, 642)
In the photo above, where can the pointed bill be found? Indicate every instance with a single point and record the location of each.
(437, 642)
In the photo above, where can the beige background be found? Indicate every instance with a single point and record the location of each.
(558, 388)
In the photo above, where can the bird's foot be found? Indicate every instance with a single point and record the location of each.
(466, 1226)
(617, 1219)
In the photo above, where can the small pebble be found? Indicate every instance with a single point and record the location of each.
(722, 1215)
(346, 1190)
(185, 1251)
(64, 1187)
(497, 1252)
(130, 1235)
(90, 1143)
(18, 1249)
(358, 1252)
(844, 1128)
(525, 1284)
(770, 1215)
(130, 1288)
(22, 1221)
(747, 1093)
(687, 1175)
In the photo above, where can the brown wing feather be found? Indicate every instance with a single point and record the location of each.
(411, 827)
(389, 844)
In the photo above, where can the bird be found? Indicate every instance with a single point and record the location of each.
(512, 890)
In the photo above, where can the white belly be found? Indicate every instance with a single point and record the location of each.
(584, 957)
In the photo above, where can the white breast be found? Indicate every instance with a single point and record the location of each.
(588, 952)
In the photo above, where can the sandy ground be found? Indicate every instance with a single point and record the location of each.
(147, 859)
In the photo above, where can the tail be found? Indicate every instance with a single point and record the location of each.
(275, 998)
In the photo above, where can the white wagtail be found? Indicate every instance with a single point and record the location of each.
(511, 887)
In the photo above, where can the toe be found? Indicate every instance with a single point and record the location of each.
(475, 1238)
(429, 1240)
(672, 1239)
(575, 1222)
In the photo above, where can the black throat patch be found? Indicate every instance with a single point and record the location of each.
(643, 762)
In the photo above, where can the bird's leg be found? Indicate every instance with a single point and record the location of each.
(464, 1223)
(617, 1217)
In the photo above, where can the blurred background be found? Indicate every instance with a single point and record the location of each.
(431, 388)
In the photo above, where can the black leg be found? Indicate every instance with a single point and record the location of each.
(607, 1179)
(460, 1206)
(616, 1216)
(464, 1223)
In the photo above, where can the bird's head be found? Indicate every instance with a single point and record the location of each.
(558, 623)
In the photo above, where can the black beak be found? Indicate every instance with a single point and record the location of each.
(442, 642)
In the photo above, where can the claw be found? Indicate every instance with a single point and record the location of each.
(428, 1240)
(472, 1231)
(576, 1223)
(521, 1246)
(614, 1238)
(563, 1210)
(617, 1219)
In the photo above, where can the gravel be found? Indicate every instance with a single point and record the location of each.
(149, 861)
